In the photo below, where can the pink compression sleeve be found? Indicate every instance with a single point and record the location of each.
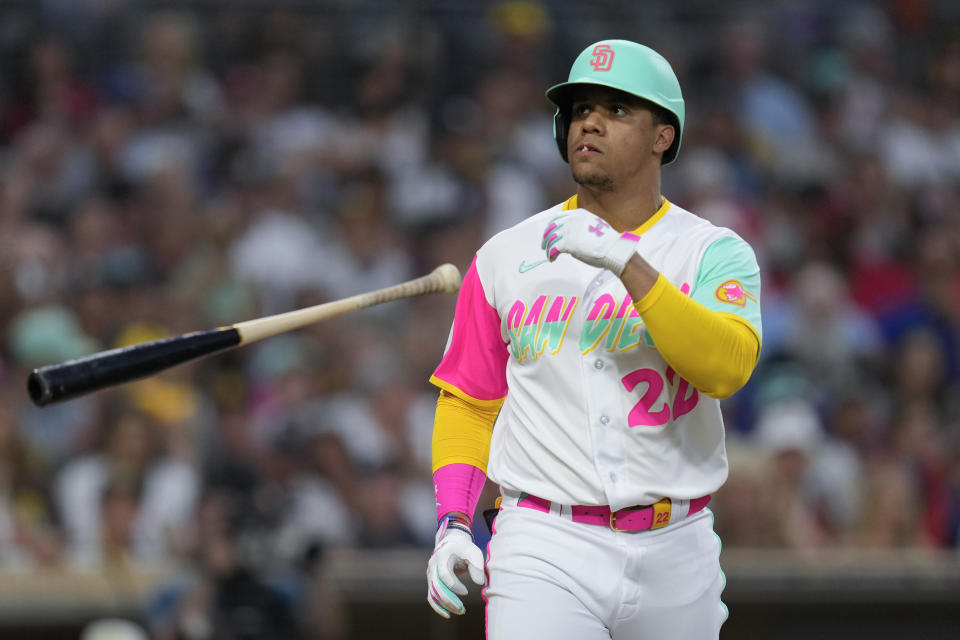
(458, 488)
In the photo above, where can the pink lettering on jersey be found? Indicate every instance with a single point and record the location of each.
(613, 336)
(597, 323)
(632, 328)
(603, 307)
(535, 330)
(535, 311)
(554, 328)
(515, 315)
(561, 309)
(524, 342)
(541, 326)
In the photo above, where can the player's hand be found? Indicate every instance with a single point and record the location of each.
(454, 553)
(588, 238)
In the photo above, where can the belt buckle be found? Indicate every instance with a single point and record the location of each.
(660, 517)
(613, 522)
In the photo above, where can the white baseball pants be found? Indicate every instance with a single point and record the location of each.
(549, 578)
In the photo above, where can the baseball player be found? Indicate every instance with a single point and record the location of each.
(590, 346)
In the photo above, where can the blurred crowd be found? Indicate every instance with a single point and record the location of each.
(163, 171)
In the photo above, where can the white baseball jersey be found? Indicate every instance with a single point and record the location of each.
(593, 413)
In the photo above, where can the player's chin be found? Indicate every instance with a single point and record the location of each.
(593, 177)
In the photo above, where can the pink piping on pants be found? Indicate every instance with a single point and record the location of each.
(483, 592)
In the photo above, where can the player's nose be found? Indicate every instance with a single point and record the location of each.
(593, 123)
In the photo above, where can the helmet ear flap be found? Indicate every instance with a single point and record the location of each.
(561, 125)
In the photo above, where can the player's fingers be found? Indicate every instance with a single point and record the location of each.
(553, 246)
(445, 571)
(474, 562)
(548, 235)
(440, 591)
(476, 574)
(546, 232)
(550, 242)
(436, 607)
(551, 228)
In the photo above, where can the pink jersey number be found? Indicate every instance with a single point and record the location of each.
(642, 414)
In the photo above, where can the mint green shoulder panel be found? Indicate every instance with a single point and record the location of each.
(728, 280)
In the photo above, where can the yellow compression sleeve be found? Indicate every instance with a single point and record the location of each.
(716, 352)
(462, 431)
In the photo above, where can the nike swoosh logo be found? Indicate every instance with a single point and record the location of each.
(524, 267)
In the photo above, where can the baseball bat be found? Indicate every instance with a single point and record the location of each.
(58, 382)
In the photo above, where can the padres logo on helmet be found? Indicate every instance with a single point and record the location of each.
(640, 71)
(602, 58)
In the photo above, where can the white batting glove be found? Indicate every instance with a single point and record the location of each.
(454, 552)
(590, 239)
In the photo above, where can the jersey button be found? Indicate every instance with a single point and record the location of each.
(613, 477)
(598, 364)
(604, 419)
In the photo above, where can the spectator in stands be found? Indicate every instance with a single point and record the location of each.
(28, 534)
(789, 433)
(125, 496)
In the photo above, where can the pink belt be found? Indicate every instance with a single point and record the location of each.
(639, 518)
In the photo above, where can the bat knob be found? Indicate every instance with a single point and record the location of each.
(39, 389)
(448, 277)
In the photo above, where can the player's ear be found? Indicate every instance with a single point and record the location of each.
(665, 135)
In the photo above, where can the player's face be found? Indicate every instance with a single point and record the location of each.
(613, 138)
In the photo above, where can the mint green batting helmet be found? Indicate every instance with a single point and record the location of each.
(629, 67)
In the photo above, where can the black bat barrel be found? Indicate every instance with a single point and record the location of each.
(73, 378)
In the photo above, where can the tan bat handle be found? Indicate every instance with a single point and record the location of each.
(443, 279)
